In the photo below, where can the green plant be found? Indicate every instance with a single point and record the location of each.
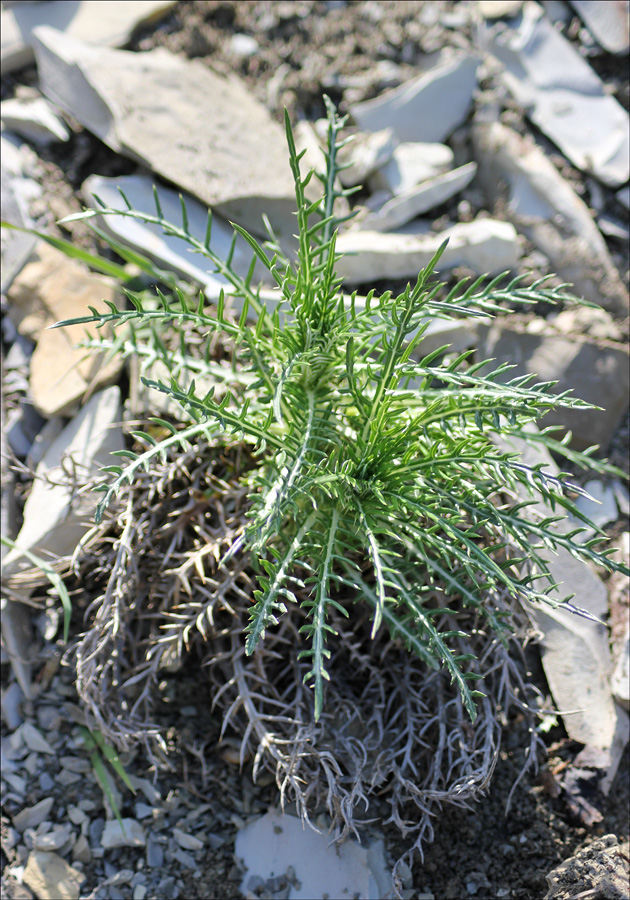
(375, 478)
(100, 753)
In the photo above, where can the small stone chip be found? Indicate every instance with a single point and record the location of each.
(34, 741)
(33, 816)
(187, 841)
(131, 834)
(53, 840)
(51, 878)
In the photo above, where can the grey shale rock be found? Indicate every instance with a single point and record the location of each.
(486, 245)
(33, 119)
(187, 841)
(417, 200)
(168, 252)
(602, 509)
(51, 524)
(53, 840)
(411, 164)
(544, 207)
(17, 191)
(34, 740)
(109, 24)
(562, 94)
(11, 699)
(81, 850)
(427, 108)
(607, 22)
(595, 372)
(15, 620)
(131, 834)
(273, 843)
(50, 877)
(32, 816)
(233, 157)
(575, 651)
(365, 153)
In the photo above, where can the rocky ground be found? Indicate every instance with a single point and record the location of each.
(59, 837)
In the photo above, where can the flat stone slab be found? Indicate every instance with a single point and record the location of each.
(575, 651)
(277, 846)
(544, 207)
(427, 108)
(607, 22)
(53, 521)
(486, 246)
(411, 164)
(169, 253)
(109, 24)
(17, 190)
(419, 199)
(562, 94)
(34, 119)
(201, 131)
(596, 372)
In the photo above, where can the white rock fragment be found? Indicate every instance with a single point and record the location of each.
(419, 199)
(562, 94)
(575, 651)
(485, 245)
(427, 108)
(233, 157)
(108, 24)
(33, 119)
(31, 736)
(498, 9)
(32, 816)
(18, 190)
(547, 210)
(613, 227)
(365, 153)
(243, 45)
(608, 22)
(130, 834)
(594, 322)
(88, 441)
(275, 843)
(411, 164)
(50, 877)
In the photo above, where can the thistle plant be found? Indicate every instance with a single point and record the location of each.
(375, 478)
